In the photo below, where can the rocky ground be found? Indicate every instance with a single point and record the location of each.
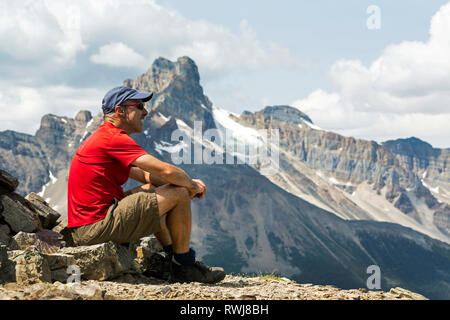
(233, 287)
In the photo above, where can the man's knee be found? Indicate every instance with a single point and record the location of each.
(183, 194)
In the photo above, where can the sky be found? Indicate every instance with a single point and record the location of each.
(374, 70)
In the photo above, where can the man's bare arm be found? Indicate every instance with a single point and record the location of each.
(157, 181)
(167, 172)
(144, 177)
(140, 175)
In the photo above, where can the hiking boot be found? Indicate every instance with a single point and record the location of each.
(158, 266)
(197, 272)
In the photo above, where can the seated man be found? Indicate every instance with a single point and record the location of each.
(99, 210)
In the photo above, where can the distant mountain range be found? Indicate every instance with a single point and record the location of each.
(334, 205)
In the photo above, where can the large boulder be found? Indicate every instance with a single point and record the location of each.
(18, 214)
(47, 215)
(101, 261)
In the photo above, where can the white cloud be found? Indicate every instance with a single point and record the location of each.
(43, 39)
(37, 30)
(403, 93)
(22, 107)
(57, 30)
(118, 54)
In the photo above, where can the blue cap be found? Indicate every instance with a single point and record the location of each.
(118, 95)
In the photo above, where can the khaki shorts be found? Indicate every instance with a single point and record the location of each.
(127, 220)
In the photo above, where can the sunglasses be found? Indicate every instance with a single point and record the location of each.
(139, 105)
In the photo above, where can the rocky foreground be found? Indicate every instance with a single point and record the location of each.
(128, 287)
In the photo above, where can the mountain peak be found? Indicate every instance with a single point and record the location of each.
(163, 73)
(285, 113)
(177, 90)
(410, 146)
(281, 113)
(83, 116)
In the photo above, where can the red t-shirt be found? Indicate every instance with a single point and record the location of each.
(99, 167)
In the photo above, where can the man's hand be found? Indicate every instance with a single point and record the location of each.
(199, 189)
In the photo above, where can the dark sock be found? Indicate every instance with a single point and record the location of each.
(185, 258)
(168, 249)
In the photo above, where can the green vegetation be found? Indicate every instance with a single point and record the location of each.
(273, 277)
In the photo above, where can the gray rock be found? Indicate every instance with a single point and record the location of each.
(18, 215)
(101, 261)
(59, 260)
(150, 259)
(58, 264)
(8, 183)
(60, 275)
(5, 238)
(151, 244)
(28, 266)
(47, 215)
(148, 256)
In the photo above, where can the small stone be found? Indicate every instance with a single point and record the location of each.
(165, 290)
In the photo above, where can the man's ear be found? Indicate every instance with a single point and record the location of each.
(119, 110)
